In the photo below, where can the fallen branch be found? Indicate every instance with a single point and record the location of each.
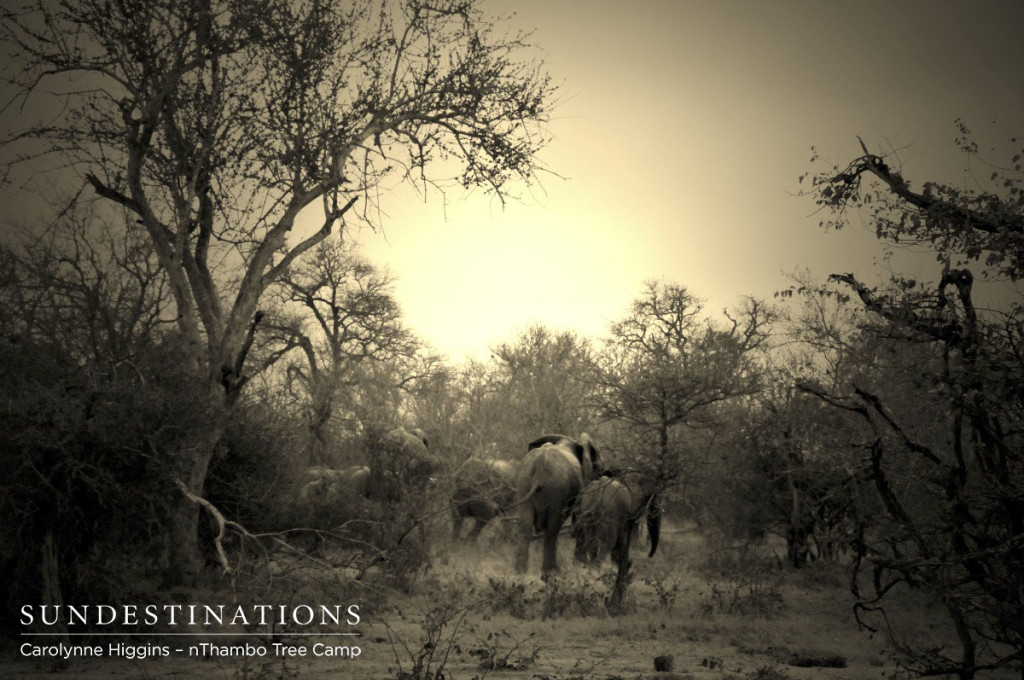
(223, 524)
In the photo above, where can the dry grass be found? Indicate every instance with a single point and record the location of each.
(719, 616)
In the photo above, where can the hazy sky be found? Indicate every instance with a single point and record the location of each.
(681, 130)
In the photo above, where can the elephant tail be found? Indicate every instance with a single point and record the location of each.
(649, 505)
(519, 501)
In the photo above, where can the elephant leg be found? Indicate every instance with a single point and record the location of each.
(457, 518)
(580, 534)
(619, 549)
(552, 525)
(594, 550)
(613, 542)
(525, 530)
(586, 540)
(484, 513)
(478, 525)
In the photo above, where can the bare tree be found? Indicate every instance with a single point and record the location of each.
(546, 377)
(942, 434)
(90, 286)
(667, 364)
(226, 128)
(348, 321)
(536, 383)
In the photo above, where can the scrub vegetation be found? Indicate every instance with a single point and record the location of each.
(194, 360)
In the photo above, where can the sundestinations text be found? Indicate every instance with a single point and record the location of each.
(190, 615)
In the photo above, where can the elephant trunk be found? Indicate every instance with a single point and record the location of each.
(653, 523)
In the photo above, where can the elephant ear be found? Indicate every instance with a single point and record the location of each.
(589, 459)
(592, 467)
(419, 434)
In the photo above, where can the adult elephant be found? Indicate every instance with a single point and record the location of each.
(404, 437)
(402, 455)
(399, 458)
(484, 489)
(324, 484)
(609, 514)
(548, 484)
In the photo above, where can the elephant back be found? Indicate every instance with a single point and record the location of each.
(412, 442)
(485, 474)
(484, 488)
(583, 450)
(326, 484)
(327, 496)
(608, 498)
(606, 495)
(415, 432)
(549, 466)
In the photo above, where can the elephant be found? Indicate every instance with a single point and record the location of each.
(548, 484)
(327, 497)
(327, 484)
(484, 489)
(369, 503)
(400, 457)
(403, 454)
(609, 513)
(400, 435)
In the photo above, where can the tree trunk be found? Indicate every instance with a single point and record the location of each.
(663, 441)
(185, 559)
(798, 533)
(50, 573)
(321, 409)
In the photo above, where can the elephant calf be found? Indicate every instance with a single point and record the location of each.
(484, 489)
(608, 517)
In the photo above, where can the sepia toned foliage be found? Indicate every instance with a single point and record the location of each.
(535, 383)
(937, 390)
(218, 147)
(340, 313)
(668, 365)
(240, 135)
(95, 390)
(661, 381)
(546, 377)
(962, 225)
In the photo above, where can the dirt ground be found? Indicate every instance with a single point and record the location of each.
(470, 617)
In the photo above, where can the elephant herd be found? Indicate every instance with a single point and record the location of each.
(557, 479)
